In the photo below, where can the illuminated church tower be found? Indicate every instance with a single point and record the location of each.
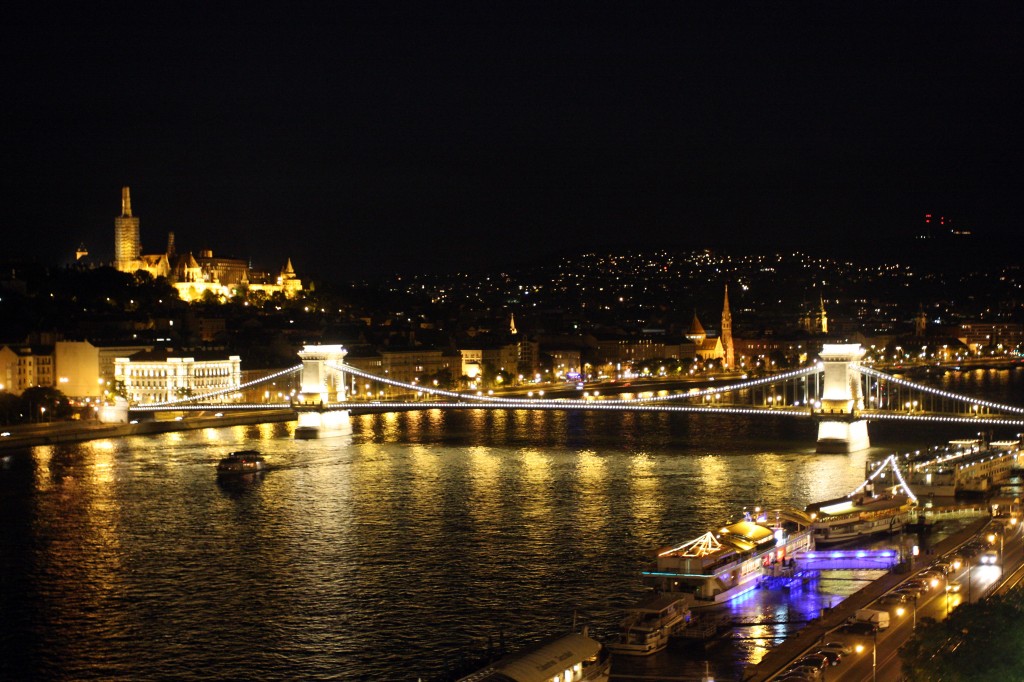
(126, 236)
(730, 354)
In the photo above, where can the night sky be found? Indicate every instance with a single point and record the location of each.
(400, 137)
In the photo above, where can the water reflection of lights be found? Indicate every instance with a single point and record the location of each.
(646, 501)
(485, 482)
(212, 434)
(43, 455)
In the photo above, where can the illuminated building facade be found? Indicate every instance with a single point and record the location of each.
(23, 367)
(160, 375)
(194, 278)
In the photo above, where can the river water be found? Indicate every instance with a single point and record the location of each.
(384, 554)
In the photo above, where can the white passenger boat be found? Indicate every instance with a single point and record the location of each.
(574, 657)
(718, 566)
(241, 462)
(649, 624)
(860, 516)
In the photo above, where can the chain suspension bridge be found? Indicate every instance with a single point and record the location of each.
(838, 392)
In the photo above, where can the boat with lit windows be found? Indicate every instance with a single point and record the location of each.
(862, 513)
(575, 657)
(851, 518)
(647, 627)
(718, 566)
(241, 462)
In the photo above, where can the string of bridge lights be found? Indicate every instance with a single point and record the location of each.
(589, 405)
(939, 392)
(223, 391)
(609, 401)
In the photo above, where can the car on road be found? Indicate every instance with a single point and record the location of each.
(859, 628)
(943, 567)
(911, 593)
(954, 586)
(989, 558)
(814, 661)
(841, 647)
(798, 671)
(919, 585)
(831, 655)
(800, 675)
(893, 599)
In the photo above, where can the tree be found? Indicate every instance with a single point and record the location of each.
(988, 631)
(34, 400)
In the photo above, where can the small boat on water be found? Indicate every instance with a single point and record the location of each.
(649, 624)
(241, 462)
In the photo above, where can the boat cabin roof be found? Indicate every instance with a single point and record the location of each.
(857, 504)
(661, 601)
(244, 453)
(540, 662)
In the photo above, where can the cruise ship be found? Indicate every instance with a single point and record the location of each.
(718, 566)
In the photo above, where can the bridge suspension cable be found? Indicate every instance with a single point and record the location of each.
(871, 372)
(233, 389)
(611, 401)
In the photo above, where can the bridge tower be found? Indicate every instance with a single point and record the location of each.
(319, 388)
(840, 426)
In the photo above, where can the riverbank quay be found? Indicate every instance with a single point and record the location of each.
(30, 435)
(810, 636)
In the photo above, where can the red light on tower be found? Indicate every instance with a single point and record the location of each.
(927, 217)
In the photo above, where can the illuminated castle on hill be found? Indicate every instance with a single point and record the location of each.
(193, 276)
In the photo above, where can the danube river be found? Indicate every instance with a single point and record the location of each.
(385, 554)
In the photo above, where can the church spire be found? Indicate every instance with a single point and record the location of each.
(126, 203)
(727, 344)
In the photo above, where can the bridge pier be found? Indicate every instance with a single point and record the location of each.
(319, 388)
(840, 428)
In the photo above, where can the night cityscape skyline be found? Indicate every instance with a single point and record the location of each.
(396, 342)
(434, 140)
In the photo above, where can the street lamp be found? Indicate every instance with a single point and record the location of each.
(900, 611)
(874, 652)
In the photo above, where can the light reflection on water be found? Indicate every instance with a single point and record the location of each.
(380, 555)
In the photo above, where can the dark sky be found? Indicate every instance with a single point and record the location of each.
(394, 137)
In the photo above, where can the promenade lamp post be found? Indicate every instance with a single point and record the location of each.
(900, 611)
(968, 574)
(874, 652)
(42, 413)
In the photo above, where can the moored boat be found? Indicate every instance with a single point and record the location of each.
(649, 625)
(241, 462)
(574, 657)
(718, 566)
(862, 513)
(850, 518)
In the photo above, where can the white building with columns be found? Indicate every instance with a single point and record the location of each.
(161, 375)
